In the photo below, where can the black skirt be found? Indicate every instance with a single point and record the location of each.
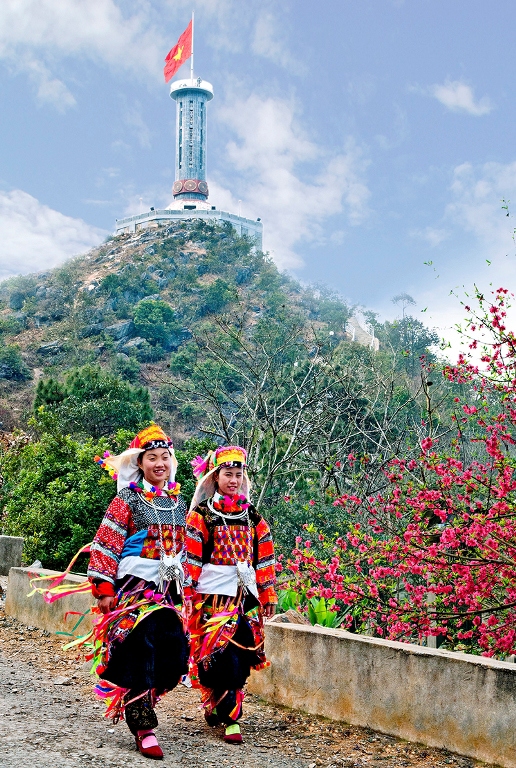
(153, 655)
(230, 667)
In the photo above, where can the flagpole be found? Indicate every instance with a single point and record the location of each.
(191, 60)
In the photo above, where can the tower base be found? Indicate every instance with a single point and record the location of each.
(187, 210)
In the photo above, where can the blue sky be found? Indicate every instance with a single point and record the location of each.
(370, 137)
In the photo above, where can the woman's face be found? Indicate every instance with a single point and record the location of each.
(156, 466)
(229, 480)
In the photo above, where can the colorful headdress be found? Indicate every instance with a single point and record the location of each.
(124, 467)
(204, 469)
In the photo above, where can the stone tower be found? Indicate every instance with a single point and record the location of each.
(191, 97)
(190, 187)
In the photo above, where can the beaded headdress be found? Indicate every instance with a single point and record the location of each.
(205, 468)
(124, 467)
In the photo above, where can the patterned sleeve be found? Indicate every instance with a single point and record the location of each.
(196, 535)
(264, 563)
(109, 541)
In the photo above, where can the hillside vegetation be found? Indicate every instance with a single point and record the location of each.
(189, 325)
(130, 303)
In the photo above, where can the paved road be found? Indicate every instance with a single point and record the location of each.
(51, 720)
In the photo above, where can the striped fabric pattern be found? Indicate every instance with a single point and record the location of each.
(126, 515)
(109, 541)
(204, 535)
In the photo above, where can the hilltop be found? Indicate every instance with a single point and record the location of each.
(133, 302)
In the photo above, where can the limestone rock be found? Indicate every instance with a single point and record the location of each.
(121, 330)
(289, 617)
(133, 344)
(50, 347)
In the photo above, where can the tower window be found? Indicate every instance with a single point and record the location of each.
(190, 135)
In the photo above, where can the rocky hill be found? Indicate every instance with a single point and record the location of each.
(133, 302)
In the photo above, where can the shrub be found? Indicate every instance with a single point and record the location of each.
(155, 321)
(192, 448)
(218, 295)
(126, 368)
(12, 365)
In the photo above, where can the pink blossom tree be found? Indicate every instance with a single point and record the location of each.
(434, 553)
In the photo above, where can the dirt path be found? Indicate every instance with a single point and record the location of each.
(51, 720)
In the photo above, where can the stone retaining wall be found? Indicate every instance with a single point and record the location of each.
(460, 702)
(35, 612)
(463, 703)
(11, 548)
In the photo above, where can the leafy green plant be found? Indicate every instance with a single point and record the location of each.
(321, 611)
(218, 295)
(184, 475)
(54, 495)
(126, 367)
(288, 599)
(155, 320)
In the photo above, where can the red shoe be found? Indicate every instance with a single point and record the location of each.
(147, 744)
(233, 735)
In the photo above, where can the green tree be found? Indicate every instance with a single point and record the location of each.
(126, 367)
(184, 475)
(94, 402)
(408, 340)
(54, 495)
(218, 295)
(49, 392)
(155, 321)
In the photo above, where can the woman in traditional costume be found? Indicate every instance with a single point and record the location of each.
(140, 648)
(230, 560)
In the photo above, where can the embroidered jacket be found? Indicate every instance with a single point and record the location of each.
(211, 539)
(130, 527)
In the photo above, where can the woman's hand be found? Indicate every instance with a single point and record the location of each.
(269, 609)
(106, 603)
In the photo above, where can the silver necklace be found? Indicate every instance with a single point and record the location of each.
(170, 566)
(245, 573)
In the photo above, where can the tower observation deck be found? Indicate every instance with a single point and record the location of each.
(190, 188)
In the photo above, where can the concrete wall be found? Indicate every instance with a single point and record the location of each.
(460, 702)
(11, 548)
(35, 612)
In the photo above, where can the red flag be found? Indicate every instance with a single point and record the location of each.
(179, 54)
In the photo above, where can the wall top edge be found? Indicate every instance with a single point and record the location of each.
(408, 648)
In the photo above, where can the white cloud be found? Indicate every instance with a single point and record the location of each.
(97, 29)
(39, 36)
(35, 237)
(482, 250)
(131, 38)
(275, 164)
(459, 97)
(133, 118)
(432, 235)
(270, 43)
(51, 90)
(477, 206)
